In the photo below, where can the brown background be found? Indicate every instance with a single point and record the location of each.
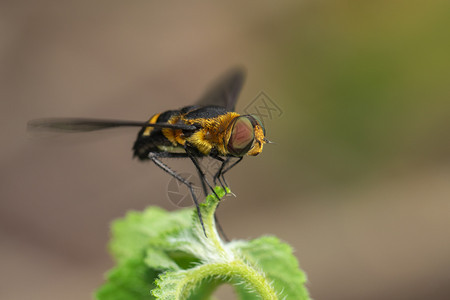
(357, 182)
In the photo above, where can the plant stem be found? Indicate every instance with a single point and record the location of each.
(223, 262)
(236, 271)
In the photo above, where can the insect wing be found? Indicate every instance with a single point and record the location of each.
(83, 125)
(226, 91)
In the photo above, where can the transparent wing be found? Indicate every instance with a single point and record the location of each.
(226, 90)
(83, 125)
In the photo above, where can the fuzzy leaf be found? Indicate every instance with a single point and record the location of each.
(278, 263)
(132, 235)
(163, 255)
(132, 280)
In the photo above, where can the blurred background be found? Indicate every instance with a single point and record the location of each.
(357, 180)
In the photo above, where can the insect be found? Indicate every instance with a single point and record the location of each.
(210, 128)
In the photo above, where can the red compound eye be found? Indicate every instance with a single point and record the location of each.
(242, 136)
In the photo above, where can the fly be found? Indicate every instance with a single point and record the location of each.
(210, 128)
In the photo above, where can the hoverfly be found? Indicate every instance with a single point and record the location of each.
(211, 128)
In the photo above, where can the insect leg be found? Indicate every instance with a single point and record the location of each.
(219, 172)
(216, 219)
(201, 175)
(217, 176)
(229, 168)
(200, 172)
(203, 179)
(155, 158)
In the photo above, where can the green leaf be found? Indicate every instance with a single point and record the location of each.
(166, 256)
(133, 234)
(134, 238)
(278, 263)
(131, 280)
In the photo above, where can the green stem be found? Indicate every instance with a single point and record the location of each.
(225, 263)
(219, 260)
(236, 271)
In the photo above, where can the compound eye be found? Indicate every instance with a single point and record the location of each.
(242, 136)
(260, 123)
